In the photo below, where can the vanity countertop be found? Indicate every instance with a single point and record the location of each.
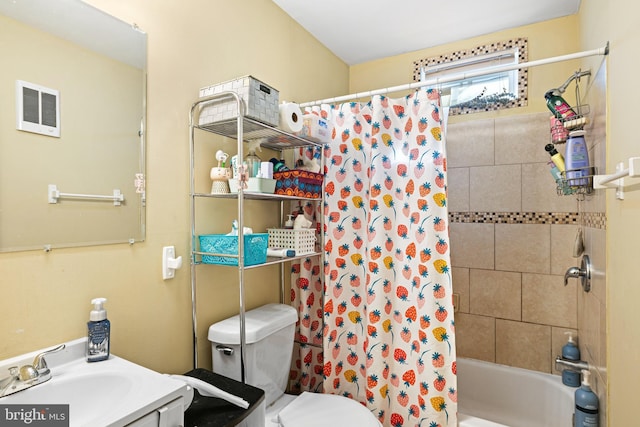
(215, 412)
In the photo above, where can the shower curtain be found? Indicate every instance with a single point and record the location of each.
(306, 295)
(388, 315)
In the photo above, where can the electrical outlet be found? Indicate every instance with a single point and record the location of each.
(456, 302)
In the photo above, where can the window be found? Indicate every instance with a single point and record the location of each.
(504, 89)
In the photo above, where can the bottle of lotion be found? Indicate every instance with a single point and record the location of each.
(586, 404)
(556, 157)
(570, 351)
(576, 159)
(98, 332)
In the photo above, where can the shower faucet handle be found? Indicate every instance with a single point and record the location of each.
(583, 273)
(573, 272)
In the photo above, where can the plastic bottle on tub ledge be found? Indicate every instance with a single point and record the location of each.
(587, 405)
(570, 351)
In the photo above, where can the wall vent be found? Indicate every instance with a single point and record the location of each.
(37, 109)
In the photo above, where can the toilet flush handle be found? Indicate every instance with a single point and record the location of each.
(227, 351)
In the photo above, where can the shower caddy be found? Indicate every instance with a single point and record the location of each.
(242, 129)
(583, 184)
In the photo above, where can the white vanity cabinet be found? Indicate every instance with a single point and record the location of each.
(111, 393)
(169, 415)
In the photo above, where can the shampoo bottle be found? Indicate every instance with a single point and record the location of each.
(576, 159)
(98, 335)
(586, 404)
(570, 351)
(558, 106)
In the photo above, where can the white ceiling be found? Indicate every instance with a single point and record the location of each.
(364, 30)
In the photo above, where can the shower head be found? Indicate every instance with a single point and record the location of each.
(574, 76)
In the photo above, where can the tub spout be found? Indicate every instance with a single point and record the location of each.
(574, 365)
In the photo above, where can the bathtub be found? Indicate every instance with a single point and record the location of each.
(491, 395)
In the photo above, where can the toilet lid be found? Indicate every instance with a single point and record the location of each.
(321, 410)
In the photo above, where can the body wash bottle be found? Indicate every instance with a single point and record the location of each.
(587, 406)
(570, 351)
(98, 332)
(576, 159)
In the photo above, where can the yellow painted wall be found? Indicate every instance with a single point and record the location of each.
(44, 298)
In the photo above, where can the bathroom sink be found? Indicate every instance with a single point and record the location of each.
(114, 392)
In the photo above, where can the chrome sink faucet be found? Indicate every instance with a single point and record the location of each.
(28, 375)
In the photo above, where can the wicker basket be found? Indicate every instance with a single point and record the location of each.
(302, 241)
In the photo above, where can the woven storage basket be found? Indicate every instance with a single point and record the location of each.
(255, 248)
(302, 241)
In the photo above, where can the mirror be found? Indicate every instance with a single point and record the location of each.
(69, 67)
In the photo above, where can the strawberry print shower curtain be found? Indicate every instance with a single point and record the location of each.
(388, 331)
(306, 295)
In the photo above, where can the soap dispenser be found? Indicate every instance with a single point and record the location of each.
(586, 400)
(289, 222)
(570, 351)
(577, 159)
(98, 332)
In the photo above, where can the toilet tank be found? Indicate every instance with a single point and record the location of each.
(269, 333)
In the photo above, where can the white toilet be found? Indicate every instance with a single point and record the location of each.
(269, 333)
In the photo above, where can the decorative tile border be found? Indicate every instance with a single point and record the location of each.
(591, 219)
(595, 220)
(523, 88)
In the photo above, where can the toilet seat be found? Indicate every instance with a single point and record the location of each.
(321, 410)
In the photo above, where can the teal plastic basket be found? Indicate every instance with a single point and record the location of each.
(255, 248)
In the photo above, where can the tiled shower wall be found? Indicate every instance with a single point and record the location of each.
(512, 240)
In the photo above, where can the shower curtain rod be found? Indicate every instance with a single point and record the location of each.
(460, 76)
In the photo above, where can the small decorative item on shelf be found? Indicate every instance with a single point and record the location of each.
(299, 183)
(220, 175)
